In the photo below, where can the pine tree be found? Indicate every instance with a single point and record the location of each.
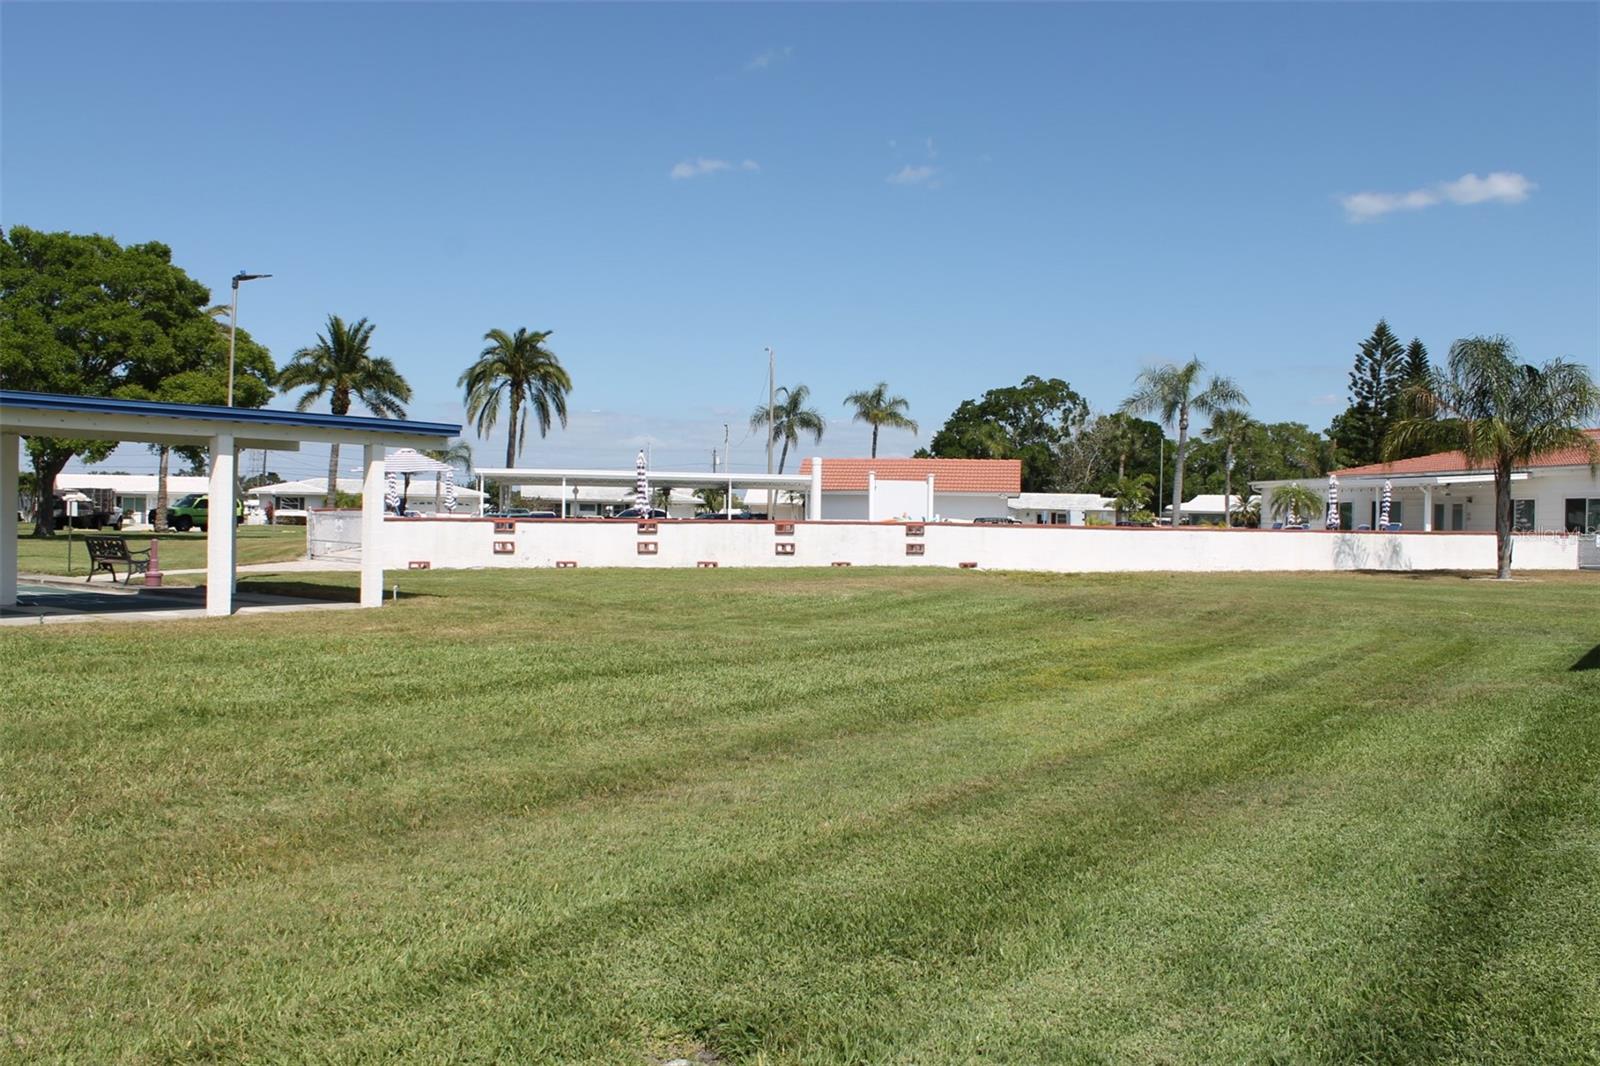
(1375, 386)
(1415, 370)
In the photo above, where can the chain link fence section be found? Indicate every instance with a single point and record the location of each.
(334, 535)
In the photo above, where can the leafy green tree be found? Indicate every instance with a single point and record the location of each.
(1501, 413)
(1415, 368)
(1230, 429)
(1172, 391)
(878, 409)
(1376, 382)
(1032, 421)
(519, 369)
(341, 366)
(86, 316)
(1108, 446)
(792, 417)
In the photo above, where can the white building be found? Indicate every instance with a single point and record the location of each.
(292, 499)
(1208, 508)
(135, 494)
(879, 490)
(1062, 508)
(1559, 493)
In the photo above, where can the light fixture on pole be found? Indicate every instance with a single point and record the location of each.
(233, 326)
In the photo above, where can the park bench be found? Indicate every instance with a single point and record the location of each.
(106, 552)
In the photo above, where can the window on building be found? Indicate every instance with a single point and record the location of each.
(1583, 515)
(1522, 516)
(291, 503)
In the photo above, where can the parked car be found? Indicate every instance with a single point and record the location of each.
(737, 516)
(638, 513)
(998, 521)
(517, 512)
(194, 510)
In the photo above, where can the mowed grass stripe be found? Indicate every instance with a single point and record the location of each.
(844, 886)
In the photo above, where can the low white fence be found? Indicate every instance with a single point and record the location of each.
(472, 543)
(333, 535)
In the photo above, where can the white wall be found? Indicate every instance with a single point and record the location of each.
(911, 497)
(463, 543)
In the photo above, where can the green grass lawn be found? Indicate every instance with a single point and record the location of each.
(822, 817)
(179, 551)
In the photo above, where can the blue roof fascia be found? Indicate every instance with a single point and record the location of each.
(258, 416)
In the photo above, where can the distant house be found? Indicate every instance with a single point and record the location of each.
(1557, 492)
(292, 499)
(1062, 508)
(878, 490)
(599, 501)
(1208, 508)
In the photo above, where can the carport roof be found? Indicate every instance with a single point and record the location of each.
(111, 418)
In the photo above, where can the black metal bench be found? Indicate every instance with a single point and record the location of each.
(106, 552)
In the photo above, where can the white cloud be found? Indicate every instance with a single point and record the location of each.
(701, 167)
(1500, 187)
(769, 59)
(913, 175)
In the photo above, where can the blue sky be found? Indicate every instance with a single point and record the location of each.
(945, 197)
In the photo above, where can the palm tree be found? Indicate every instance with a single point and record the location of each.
(1130, 493)
(1230, 428)
(1501, 414)
(342, 367)
(458, 453)
(1292, 504)
(519, 367)
(458, 456)
(878, 409)
(713, 497)
(1169, 391)
(792, 417)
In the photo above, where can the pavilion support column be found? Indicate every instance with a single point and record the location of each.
(928, 508)
(220, 558)
(372, 527)
(1427, 508)
(872, 495)
(8, 519)
(814, 497)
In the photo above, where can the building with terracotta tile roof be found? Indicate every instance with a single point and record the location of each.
(1557, 492)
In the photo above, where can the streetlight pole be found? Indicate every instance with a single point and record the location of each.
(233, 326)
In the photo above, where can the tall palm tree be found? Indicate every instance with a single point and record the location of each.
(342, 367)
(792, 417)
(1230, 428)
(1169, 390)
(878, 409)
(1501, 414)
(518, 367)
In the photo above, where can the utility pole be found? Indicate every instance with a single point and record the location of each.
(772, 408)
(727, 462)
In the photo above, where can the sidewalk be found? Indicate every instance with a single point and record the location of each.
(288, 566)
